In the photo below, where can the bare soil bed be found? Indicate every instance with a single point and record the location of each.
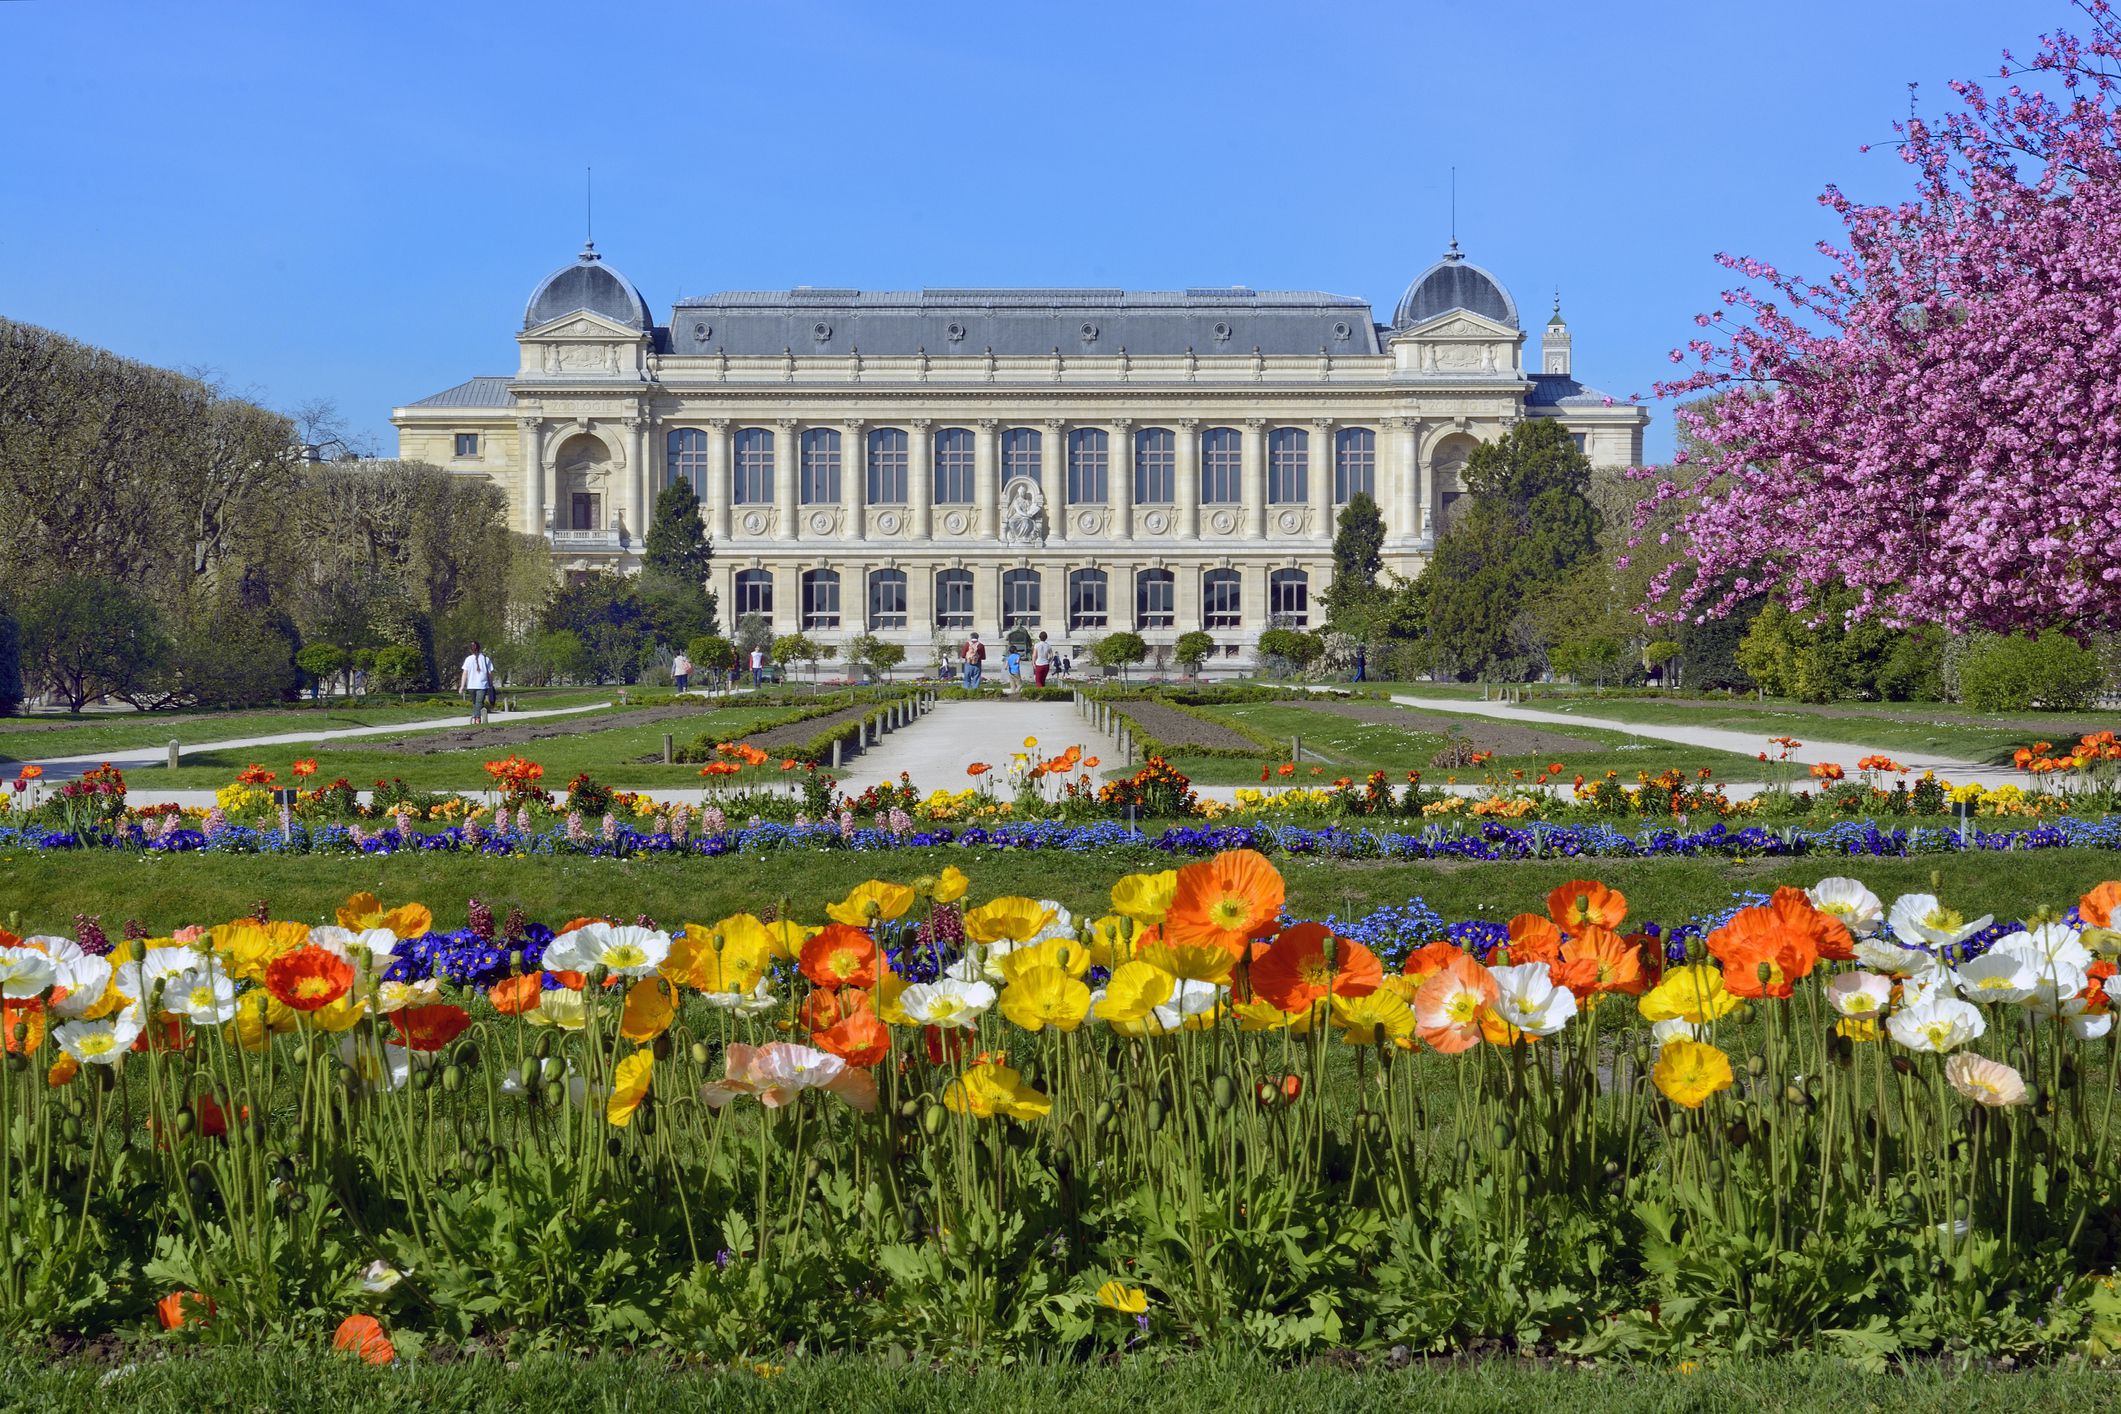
(1180, 730)
(431, 743)
(1499, 737)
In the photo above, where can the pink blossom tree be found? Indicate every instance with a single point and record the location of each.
(1937, 425)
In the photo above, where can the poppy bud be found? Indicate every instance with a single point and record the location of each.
(699, 1053)
(1222, 1092)
(1755, 1066)
(1155, 1115)
(1292, 1086)
(932, 1120)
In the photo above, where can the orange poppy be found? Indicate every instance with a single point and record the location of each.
(22, 1024)
(857, 1038)
(1830, 936)
(840, 956)
(31, 773)
(1225, 901)
(307, 766)
(1534, 939)
(1428, 960)
(1599, 960)
(1581, 902)
(363, 1335)
(1776, 937)
(429, 1028)
(308, 978)
(1295, 973)
(827, 1007)
(2100, 906)
(517, 994)
(573, 923)
(183, 1308)
(1448, 1008)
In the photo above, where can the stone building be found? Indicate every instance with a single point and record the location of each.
(1079, 461)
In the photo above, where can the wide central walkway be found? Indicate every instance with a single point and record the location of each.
(936, 749)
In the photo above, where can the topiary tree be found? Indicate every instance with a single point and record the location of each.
(1193, 648)
(321, 661)
(1283, 651)
(1119, 650)
(712, 654)
(798, 648)
(875, 656)
(401, 668)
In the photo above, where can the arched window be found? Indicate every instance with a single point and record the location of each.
(1222, 467)
(953, 466)
(1155, 467)
(1289, 598)
(1354, 464)
(821, 467)
(1288, 466)
(1155, 599)
(753, 480)
(754, 593)
(887, 599)
(1019, 598)
(685, 459)
(1086, 467)
(887, 467)
(1020, 454)
(821, 599)
(1221, 599)
(1086, 600)
(953, 599)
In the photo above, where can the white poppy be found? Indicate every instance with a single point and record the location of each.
(1530, 1000)
(1995, 977)
(379, 1066)
(756, 1002)
(1858, 995)
(946, 1002)
(1937, 1025)
(380, 1276)
(24, 973)
(1676, 1028)
(628, 950)
(1922, 920)
(203, 996)
(101, 1042)
(1190, 997)
(1848, 900)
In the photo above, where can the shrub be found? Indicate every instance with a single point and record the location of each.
(2053, 672)
(1119, 650)
(1288, 650)
(1193, 649)
(400, 668)
(321, 661)
(10, 664)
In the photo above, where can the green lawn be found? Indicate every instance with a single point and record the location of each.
(1356, 748)
(43, 892)
(1215, 1382)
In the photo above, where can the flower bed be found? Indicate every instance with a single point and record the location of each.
(1076, 1127)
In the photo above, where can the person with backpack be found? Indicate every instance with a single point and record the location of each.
(476, 677)
(970, 657)
(681, 670)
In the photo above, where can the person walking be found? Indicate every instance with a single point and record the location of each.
(476, 677)
(681, 670)
(1041, 661)
(970, 657)
(1362, 663)
(1013, 664)
(758, 666)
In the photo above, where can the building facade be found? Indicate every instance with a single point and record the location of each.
(1077, 461)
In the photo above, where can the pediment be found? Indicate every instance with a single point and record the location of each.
(1458, 324)
(583, 325)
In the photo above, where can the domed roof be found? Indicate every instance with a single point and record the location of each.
(588, 284)
(1455, 283)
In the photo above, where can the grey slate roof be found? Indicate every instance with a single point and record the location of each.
(1558, 390)
(587, 284)
(956, 323)
(1453, 283)
(472, 393)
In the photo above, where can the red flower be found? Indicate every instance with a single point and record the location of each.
(308, 978)
(840, 956)
(306, 767)
(429, 1028)
(183, 1308)
(363, 1335)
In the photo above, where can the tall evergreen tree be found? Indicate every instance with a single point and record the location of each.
(675, 560)
(1354, 601)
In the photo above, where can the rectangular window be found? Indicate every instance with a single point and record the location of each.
(582, 511)
(953, 467)
(1580, 439)
(1289, 598)
(1355, 464)
(1155, 599)
(1288, 466)
(687, 459)
(887, 599)
(1086, 600)
(1155, 467)
(953, 599)
(1222, 465)
(821, 599)
(468, 444)
(1221, 599)
(1086, 467)
(821, 467)
(1020, 454)
(754, 593)
(887, 468)
(754, 467)
(1020, 606)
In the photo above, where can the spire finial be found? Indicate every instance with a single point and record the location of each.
(1454, 208)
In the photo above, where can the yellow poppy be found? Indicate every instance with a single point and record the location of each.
(1136, 989)
(246, 948)
(950, 885)
(1006, 920)
(339, 1015)
(562, 1007)
(1693, 993)
(1688, 1072)
(1362, 1019)
(1192, 961)
(629, 1086)
(648, 1011)
(1112, 940)
(869, 901)
(1146, 898)
(1125, 1299)
(1066, 954)
(1045, 996)
(733, 965)
(258, 1015)
(988, 1090)
(365, 910)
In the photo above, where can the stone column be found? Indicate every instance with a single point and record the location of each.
(987, 607)
(717, 497)
(854, 478)
(787, 464)
(1185, 596)
(636, 501)
(920, 477)
(986, 478)
(1410, 495)
(1053, 477)
(1253, 480)
(1119, 489)
(530, 508)
(854, 600)
(1321, 472)
(1188, 489)
(919, 632)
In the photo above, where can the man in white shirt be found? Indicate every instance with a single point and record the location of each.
(476, 677)
(758, 666)
(681, 670)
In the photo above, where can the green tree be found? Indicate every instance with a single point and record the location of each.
(10, 663)
(794, 648)
(1119, 650)
(2052, 672)
(676, 546)
(86, 637)
(1355, 603)
(605, 612)
(1284, 652)
(1194, 647)
(712, 656)
(401, 668)
(752, 631)
(875, 656)
(322, 662)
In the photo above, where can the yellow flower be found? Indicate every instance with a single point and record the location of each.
(869, 901)
(1066, 954)
(987, 1090)
(1864, 1028)
(629, 1084)
(562, 1007)
(1045, 996)
(1125, 1299)
(258, 1015)
(1136, 989)
(648, 1011)
(889, 988)
(1009, 919)
(951, 884)
(339, 1015)
(1030, 743)
(1262, 1015)
(696, 962)
(1688, 1072)
(365, 910)
(246, 947)
(1112, 940)
(1145, 898)
(1191, 961)
(785, 938)
(1692, 993)
(1359, 1018)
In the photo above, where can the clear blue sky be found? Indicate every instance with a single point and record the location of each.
(354, 201)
